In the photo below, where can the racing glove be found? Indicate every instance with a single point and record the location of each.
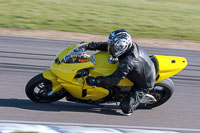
(91, 46)
(103, 46)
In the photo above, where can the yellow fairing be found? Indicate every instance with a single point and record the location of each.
(81, 90)
(63, 75)
(67, 71)
(169, 66)
(53, 78)
(104, 68)
(75, 86)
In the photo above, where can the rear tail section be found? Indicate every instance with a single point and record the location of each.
(168, 66)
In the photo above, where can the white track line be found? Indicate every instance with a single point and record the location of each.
(99, 125)
(13, 127)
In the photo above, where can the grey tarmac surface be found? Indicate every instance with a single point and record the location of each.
(22, 58)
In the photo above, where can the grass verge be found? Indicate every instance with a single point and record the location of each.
(173, 19)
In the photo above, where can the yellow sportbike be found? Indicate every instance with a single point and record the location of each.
(70, 68)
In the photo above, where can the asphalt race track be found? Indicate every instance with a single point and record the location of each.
(22, 58)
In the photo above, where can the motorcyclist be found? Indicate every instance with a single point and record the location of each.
(134, 64)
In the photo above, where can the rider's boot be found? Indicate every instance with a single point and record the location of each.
(148, 99)
(131, 102)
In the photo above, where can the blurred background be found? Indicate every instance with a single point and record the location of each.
(171, 19)
(168, 23)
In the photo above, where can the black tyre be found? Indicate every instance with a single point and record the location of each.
(38, 89)
(162, 92)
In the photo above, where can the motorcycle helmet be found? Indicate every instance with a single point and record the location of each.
(119, 42)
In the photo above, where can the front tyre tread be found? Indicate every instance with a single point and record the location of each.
(29, 90)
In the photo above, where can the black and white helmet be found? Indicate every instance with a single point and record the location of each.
(119, 42)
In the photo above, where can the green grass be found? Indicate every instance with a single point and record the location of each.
(173, 19)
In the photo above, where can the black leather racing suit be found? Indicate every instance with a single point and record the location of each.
(135, 64)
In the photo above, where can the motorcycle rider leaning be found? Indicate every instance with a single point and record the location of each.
(134, 64)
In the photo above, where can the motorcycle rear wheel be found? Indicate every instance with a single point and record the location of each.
(162, 92)
(38, 89)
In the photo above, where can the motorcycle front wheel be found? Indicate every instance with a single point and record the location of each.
(161, 92)
(39, 89)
